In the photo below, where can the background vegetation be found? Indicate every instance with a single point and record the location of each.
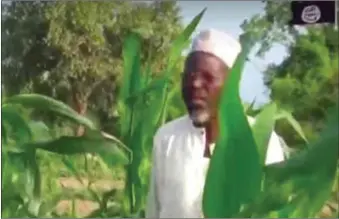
(81, 53)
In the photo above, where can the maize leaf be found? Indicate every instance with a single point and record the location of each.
(32, 182)
(37, 101)
(292, 121)
(17, 126)
(262, 129)
(131, 85)
(175, 53)
(155, 84)
(131, 56)
(144, 125)
(267, 203)
(311, 172)
(180, 43)
(40, 131)
(69, 145)
(234, 174)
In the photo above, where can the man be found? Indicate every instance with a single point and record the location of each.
(182, 147)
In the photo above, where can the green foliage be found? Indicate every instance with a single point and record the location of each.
(305, 84)
(235, 161)
(310, 175)
(271, 27)
(262, 129)
(72, 51)
(47, 104)
(83, 52)
(21, 168)
(142, 113)
(236, 186)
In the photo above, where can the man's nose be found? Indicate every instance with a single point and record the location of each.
(197, 82)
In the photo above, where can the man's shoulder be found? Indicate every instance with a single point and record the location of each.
(175, 126)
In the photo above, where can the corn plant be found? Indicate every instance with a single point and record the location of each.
(238, 184)
(143, 106)
(21, 184)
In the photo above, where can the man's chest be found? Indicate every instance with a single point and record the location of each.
(183, 172)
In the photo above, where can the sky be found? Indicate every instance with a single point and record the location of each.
(228, 16)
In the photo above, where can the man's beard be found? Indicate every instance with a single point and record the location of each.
(200, 117)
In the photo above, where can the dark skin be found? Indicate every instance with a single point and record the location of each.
(203, 79)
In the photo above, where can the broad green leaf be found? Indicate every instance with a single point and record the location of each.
(140, 120)
(133, 170)
(40, 131)
(33, 181)
(234, 175)
(111, 138)
(293, 122)
(181, 42)
(68, 145)
(37, 101)
(14, 119)
(311, 171)
(321, 153)
(262, 129)
(155, 84)
(266, 203)
(131, 85)
(131, 55)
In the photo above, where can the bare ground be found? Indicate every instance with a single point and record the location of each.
(84, 207)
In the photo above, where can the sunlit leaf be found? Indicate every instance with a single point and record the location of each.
(41, 102)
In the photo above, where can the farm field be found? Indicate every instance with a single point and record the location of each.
(83, 95)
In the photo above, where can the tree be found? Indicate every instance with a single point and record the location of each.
(312, 55)
(73, 50)
(306, 82)
(271, 27)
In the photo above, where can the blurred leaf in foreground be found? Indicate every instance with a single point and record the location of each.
(234, 174)
(310, 174)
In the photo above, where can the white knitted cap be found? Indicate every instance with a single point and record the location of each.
(217, 43)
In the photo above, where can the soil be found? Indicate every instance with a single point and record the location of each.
(84, 207)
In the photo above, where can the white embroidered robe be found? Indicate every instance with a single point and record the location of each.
(179, 169)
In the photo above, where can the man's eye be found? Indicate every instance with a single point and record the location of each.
(190, 74)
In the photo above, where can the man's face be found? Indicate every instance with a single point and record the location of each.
(203, 79)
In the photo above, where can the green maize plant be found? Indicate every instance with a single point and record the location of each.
(23, 138)
(143, 103)
(238, 185)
